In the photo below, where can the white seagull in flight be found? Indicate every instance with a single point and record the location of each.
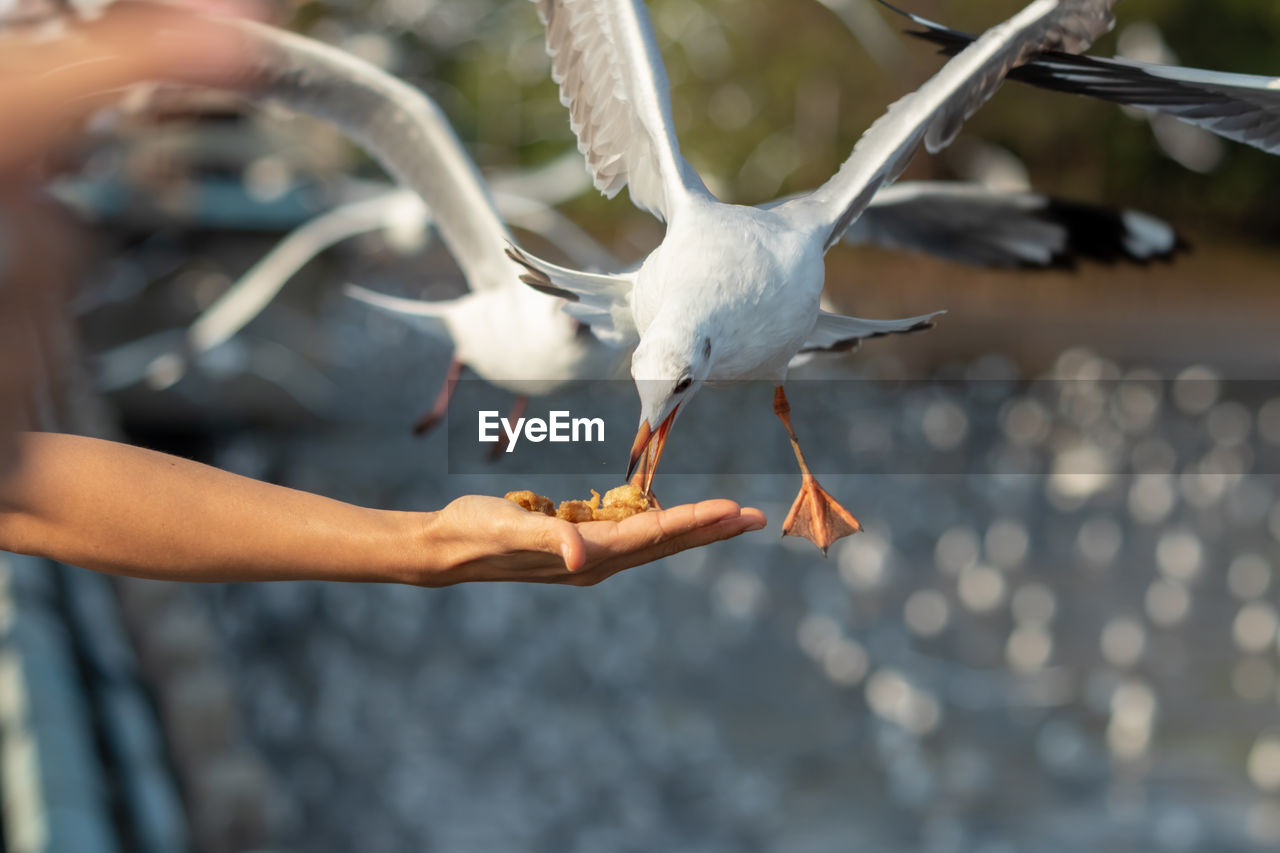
(732, 293)
(509, 335)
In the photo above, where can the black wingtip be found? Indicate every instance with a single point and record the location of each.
(911, 16)
(949, 42)
(536, 278)
(544, 285)
(846, 345)
(1100, 234)
(952, 41)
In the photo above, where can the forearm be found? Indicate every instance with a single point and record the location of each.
(129, 511)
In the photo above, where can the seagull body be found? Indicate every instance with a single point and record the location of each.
(1244, 108)
(509, 343)
(741, 254)
(733, 292)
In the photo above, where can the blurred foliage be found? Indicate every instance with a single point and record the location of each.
(769, 97)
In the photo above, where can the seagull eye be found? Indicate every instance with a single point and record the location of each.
(683, 385)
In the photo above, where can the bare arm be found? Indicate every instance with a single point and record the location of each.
(129, 511)
(126, 510)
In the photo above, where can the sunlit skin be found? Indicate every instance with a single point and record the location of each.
(129, 511)
(125, 510)
(54, 85)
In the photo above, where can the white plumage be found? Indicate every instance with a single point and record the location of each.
(508, 334)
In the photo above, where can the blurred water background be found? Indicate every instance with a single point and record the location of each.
(1076, 651)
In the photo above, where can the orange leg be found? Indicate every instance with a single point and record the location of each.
(440, 407)
(815, 515)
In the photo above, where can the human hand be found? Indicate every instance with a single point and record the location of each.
(478, 538)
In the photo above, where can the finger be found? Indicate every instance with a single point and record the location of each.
(606, 539)
(725, 529)
(553, 536)
(573, 548)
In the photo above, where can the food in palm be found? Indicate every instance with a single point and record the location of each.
(618, 504)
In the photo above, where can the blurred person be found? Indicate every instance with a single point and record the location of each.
(120, 509)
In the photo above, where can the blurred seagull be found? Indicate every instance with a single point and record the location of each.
(1240, 107)
(733, 292)
(402, 214)
(507, 334)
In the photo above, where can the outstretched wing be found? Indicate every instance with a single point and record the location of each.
(401, 127)
(934, 113)
(1240, 107)
(611, 77)
(973, 224)
(838, 333)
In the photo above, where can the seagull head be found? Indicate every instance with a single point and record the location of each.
(669, 366)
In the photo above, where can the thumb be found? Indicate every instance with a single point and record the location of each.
(560, 537)
(573, 548)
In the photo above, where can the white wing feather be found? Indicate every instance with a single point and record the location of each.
(611, 77)
(839, 333)
(1241, 107)
(934, 113)
(401, 127)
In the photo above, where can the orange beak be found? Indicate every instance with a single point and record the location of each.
(648, 445)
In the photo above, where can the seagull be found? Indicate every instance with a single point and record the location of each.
(404, 217)
(401, 213)
(732, 292)
(1241, 107)
(506, 333)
